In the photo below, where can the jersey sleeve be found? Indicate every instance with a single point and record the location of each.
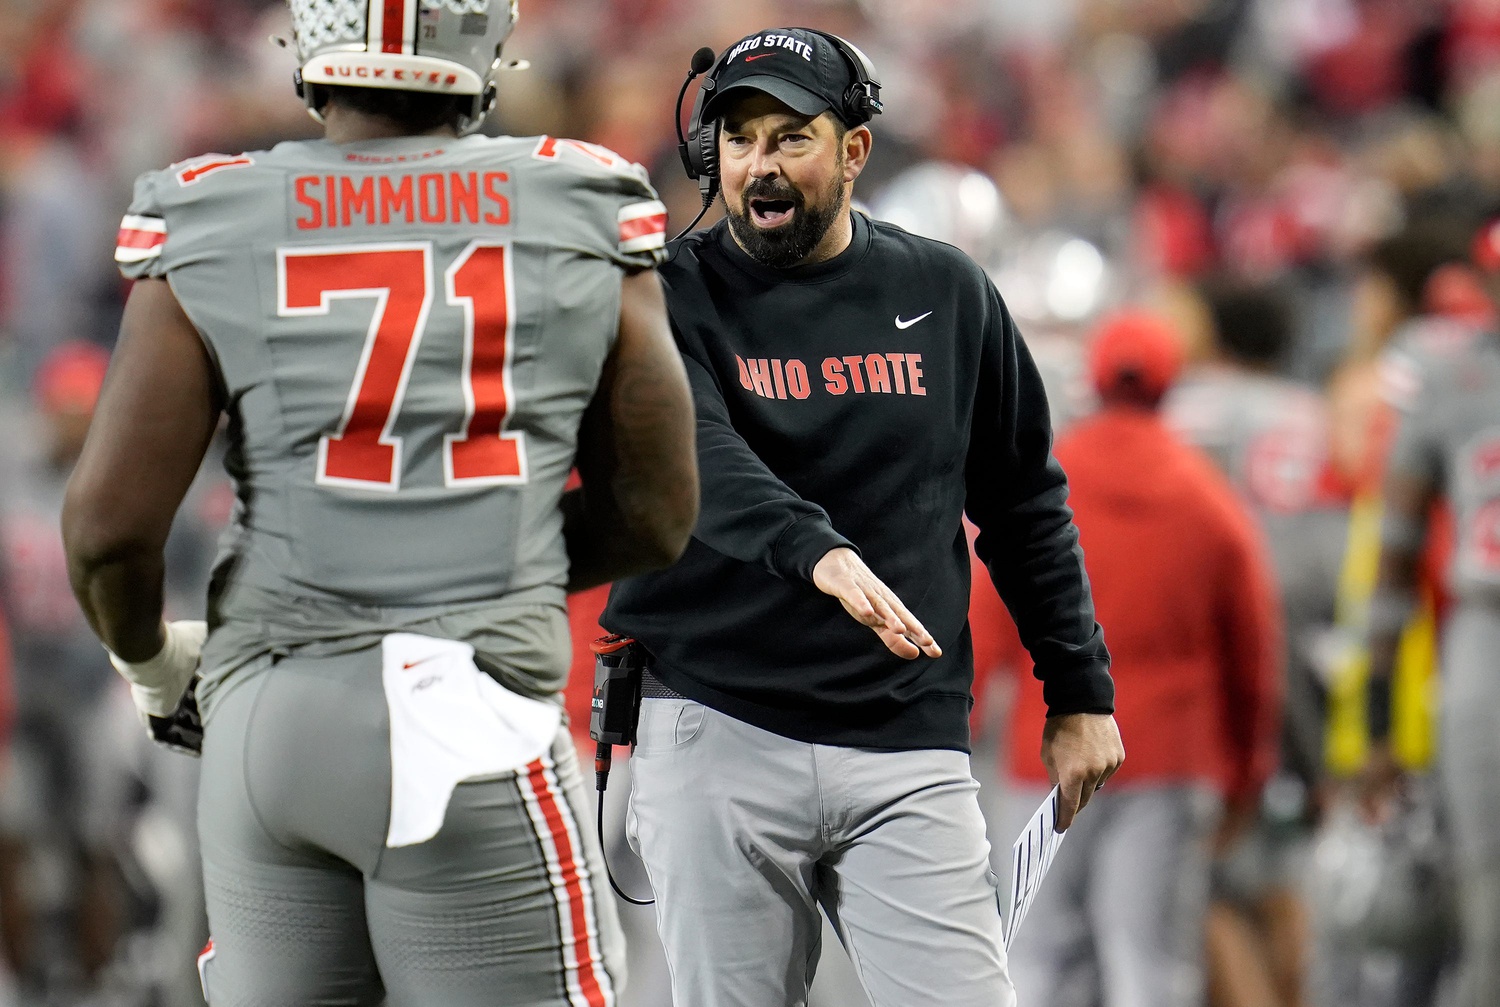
(635, 220)
(626, 222)
(142, 241)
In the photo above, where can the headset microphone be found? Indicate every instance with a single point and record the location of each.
(703, 60)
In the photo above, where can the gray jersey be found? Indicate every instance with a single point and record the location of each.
(1270, 436)
(408, 331)
(1448, 438)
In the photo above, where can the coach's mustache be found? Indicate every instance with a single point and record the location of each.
(768, 188)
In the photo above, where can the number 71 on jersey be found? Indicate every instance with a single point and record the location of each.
(364, 453)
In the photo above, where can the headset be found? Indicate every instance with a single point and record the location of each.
(699, 149)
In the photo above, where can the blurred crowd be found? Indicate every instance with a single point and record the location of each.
(1288, 187)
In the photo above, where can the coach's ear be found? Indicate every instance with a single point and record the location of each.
(857, 144)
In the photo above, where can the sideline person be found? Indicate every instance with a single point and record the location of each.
(1447, 444)
(805, 743)
(414, 334)
(1183, 578)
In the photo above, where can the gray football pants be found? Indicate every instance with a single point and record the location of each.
(306, 904)
(1120, 919)
(745, 833)
(1469, 773)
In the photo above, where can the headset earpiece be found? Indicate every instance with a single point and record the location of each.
(862, 99)
(700, 147)
(708, 159)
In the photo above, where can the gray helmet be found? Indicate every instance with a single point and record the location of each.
(436, 46)
(951, 203)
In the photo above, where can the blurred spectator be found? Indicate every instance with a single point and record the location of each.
(1269, 435)
(1448, 442)
(1431, 311)
(70, 800)
(1183, 587)
(60, 675)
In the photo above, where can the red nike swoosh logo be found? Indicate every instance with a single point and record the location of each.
(409, 665)
(752, 59)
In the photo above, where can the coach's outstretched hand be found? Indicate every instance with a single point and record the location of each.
(842, 574)
(1081, 751)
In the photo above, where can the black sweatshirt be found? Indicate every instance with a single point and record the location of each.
(871, 400)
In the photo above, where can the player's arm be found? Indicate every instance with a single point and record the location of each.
(155, 419)
(1406, 501)
(1413, 479)
(639, 500)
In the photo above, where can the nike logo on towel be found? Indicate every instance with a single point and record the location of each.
(409, 665)
(906, 324)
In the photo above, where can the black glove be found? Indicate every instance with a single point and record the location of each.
(183, 730)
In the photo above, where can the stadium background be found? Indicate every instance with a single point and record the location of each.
(1137, 146)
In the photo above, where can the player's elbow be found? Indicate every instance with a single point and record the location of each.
(97, 531)
(659, 518)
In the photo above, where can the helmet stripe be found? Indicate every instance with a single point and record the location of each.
(393, 26)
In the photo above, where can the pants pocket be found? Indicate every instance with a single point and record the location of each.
(668, 724)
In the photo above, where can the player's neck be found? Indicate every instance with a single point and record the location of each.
(345, 125)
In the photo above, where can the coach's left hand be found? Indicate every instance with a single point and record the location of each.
(842, 574)
(1081, 751)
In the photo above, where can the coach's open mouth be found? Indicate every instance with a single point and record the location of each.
(772, 212)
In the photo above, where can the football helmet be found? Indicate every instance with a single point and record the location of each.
(950, 203)
(436, 46)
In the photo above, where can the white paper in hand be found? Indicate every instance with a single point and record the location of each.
(1030, 858)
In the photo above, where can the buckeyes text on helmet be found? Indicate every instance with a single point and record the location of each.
(435, 46)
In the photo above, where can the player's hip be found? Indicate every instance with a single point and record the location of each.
(359, 755)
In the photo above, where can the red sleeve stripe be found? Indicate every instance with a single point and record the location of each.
(643, 226)
(188, 176)
(140, 238)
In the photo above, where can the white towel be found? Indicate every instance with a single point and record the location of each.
(450, 722)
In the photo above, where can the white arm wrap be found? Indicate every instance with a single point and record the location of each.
(157, 684)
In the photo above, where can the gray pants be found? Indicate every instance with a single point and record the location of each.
(745, 833)
(1469, 771)
(1120, 918)
(307, 905)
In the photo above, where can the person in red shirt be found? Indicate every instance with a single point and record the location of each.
(1185, 595)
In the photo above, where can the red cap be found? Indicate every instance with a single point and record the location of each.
(1135, 354)
(1456, 291)
(70, 378)
(1486, 250)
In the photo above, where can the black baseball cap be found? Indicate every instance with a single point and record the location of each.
(802, 69)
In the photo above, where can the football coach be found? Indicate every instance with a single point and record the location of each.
(859, 390)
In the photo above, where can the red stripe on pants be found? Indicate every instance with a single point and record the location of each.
(567, 861)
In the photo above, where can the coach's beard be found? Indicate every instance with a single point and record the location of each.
(790, 243)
